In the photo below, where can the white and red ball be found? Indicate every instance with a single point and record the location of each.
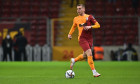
(69, 74)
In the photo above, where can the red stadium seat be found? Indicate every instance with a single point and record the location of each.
(25, 3)
(109, 33)
(44, 11)
(108, 5)
(35, 3)
(7, 4)
(119, 11)
(138, 10)
(108, 21)
(44, 3)
(118, 20)
(53, 15)
(100, 20)
(117, 27)
(109, 11)
(130, 39)
(42, 28)
(99, 11)
(25, 14)
(25, 10)
(35, 11)
(128, 20)
(15, 10)
(130, 11)
(119, 42)
(15, 15)
(108, 43)
(5, 15)
(32, 41)
(118, 3)
(131, 33)
(42, 39)
(98, 40)
(55, 3)
(129, 3)
(119, 38)
(34, 28)
(42, 33)
(127, 27)
(6, 10)
(34, 22)
(98, 32)
(42, 22)
(109, 40)
(107, 27)
(120, 32)
(25, 20)
(16, 4)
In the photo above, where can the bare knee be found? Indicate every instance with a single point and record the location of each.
(88, 52)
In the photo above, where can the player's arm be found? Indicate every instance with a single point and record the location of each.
(96, 24)
(72, 29)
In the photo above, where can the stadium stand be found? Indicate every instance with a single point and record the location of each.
(117, 20)
(124, 28)
(99, 8)
(31, 9)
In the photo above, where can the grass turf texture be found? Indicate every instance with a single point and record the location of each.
(54, 73)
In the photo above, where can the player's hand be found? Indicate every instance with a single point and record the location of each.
(69, 36)
(87, 27)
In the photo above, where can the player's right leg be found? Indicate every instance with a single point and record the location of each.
(91, 63)
(79, 58)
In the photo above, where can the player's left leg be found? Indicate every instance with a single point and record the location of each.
(79, 58)
(91, 63)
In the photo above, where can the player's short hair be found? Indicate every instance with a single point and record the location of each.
(81, 5)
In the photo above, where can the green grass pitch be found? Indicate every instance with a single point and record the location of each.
(54, 73)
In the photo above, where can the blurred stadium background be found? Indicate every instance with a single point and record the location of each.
(46, 23)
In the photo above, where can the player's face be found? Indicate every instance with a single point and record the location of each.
(80, 10)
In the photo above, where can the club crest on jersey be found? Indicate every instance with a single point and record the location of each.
(86, 18)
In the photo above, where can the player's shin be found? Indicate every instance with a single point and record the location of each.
(91, 63)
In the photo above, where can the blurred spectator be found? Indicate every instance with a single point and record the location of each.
(130, 53)
(116, 55)
(16, 57)
(20, 43)
(72, 2)
(112, 55)
(98, 52)
(119, 54)
(7, 44)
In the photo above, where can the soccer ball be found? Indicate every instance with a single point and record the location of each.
(69, 74)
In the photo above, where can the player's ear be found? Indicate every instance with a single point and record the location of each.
(84, 9)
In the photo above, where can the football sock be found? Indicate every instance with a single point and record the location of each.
(94, 71)
(91, 63)
(79, 58)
